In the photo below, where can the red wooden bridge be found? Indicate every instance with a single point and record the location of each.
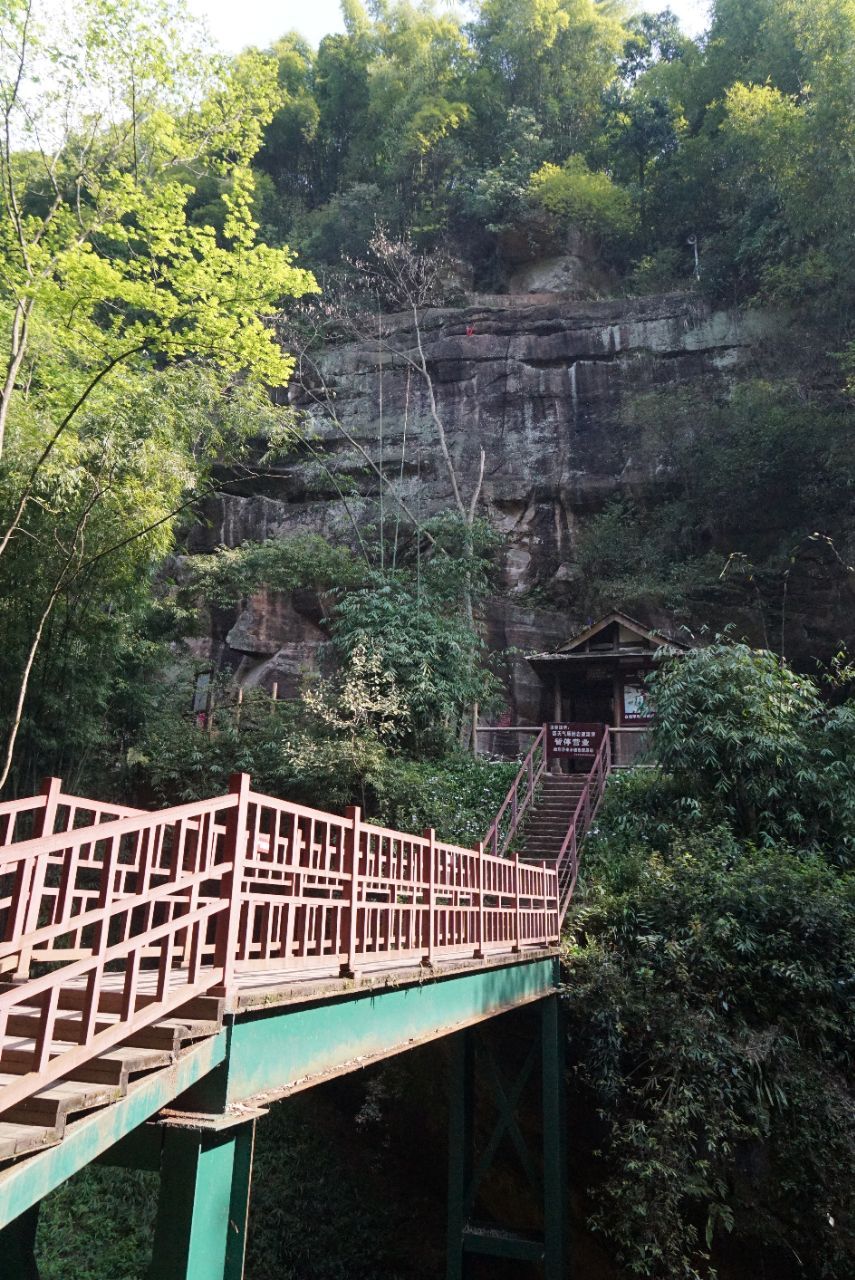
(192, 963)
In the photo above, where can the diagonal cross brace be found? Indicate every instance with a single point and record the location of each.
(506, 1123)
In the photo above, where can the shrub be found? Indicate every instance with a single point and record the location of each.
(577, 197)
(710, 996)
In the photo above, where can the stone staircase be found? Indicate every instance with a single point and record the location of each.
(543, 832)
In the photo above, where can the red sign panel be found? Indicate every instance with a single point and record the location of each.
(575, 740)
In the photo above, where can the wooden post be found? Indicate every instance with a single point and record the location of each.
(229, 922)
(475, 729)
(430, 836)
(479, 954)
(351, 868)
(554, 1089)
(30, 879)
(516, 945)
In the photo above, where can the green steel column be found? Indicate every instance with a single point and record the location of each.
(459, 1148)
(239, 1202)
(554, 1139)
(17, 1247)
(200, 1231)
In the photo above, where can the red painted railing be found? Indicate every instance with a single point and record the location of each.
(567, 862)
(519, 798)
(52, 810)
(135, 914)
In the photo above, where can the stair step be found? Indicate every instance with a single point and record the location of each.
(49, 1108)
(564, 814)
(553, 810)
(167, 1035)
(23, 1139)
(558, 801)
(113, 1068)
(197, 1009)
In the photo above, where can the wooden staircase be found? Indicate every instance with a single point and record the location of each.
(40, 1120)
(543, 832)
(545, 816)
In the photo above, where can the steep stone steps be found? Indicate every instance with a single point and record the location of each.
(543, 834)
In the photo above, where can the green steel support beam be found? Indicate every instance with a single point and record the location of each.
(502, 1244)
(460, 1114)
(140, 1149)
(288, 1047)
(27, 1182)
(275, 1050)
(466, 1238)
(18, 1247)
(200, 1233)
(239, 1202)
(554, 1138)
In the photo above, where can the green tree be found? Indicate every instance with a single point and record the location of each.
(710, 951)
(106, 279)
(574, 196)
(740, 732)
(554, 57)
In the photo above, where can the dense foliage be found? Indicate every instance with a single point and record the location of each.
(436, 125)
(750, 477)
(379, 725)
(133, 348)
(710, 960)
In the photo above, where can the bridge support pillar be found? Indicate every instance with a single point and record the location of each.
(18, 1247)
(200, 1233)
(473, 1062)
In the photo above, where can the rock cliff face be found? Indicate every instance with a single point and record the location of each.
(541, 386)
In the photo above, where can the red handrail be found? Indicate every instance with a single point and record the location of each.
(567, 862)
(136, 914)
(514, 804)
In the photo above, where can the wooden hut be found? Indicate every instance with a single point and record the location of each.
(597, 677)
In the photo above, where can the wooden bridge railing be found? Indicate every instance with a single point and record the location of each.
(132, 915)
(519, 797)
(52, 810)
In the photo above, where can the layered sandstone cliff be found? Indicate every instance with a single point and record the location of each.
(541, 385)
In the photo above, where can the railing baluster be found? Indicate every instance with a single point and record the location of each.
(351, 870)
(228, 926)
(430, 837)
(516, 865)
(479, 951)
(30, 877)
